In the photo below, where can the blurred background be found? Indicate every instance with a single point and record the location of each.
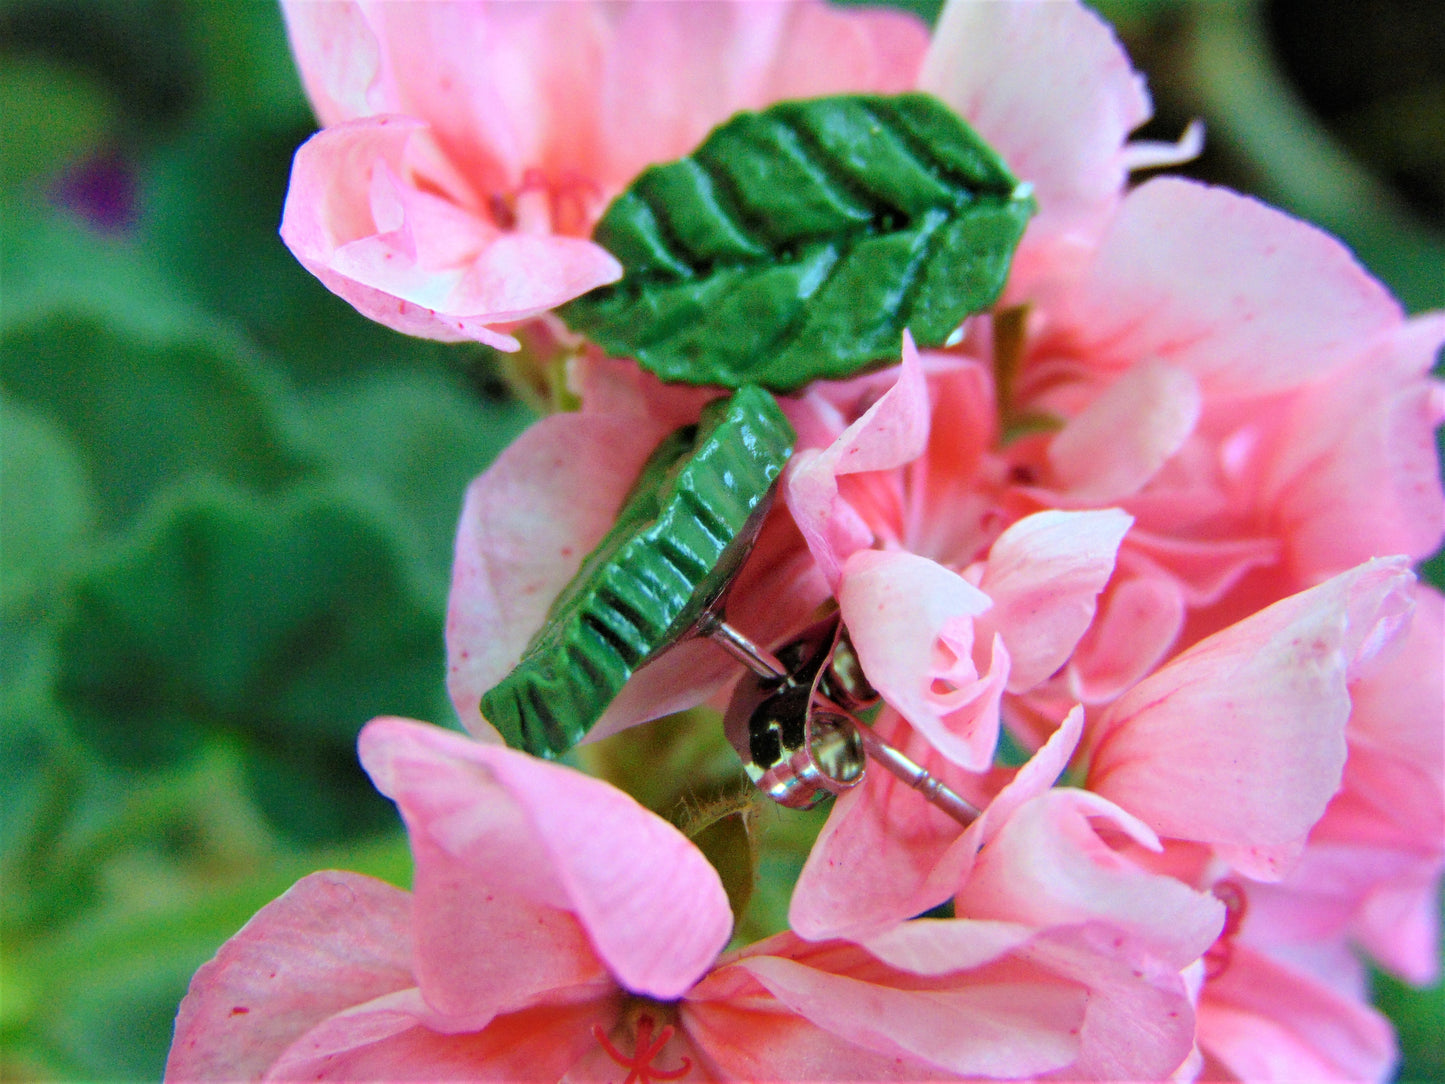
(228, 500)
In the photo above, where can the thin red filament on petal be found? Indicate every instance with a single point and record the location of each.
(639, 1065)
(1219, 955)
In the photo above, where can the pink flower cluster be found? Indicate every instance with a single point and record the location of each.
(1151, 520)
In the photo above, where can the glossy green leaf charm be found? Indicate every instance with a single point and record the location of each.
(798, 243)
(683, 531)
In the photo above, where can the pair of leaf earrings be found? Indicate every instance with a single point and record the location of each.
(794, 244)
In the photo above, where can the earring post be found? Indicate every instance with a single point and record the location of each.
(766, 665)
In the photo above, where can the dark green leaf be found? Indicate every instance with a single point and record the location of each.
(416, 439)
(48, 502)
(680, 537)
(149, 402)
(799, 243)
(286, 625)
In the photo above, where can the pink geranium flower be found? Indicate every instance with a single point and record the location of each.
(559, 930)
(469, 147)
(1237, 667)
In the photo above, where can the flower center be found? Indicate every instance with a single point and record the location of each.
(565, 204)
(639, 1065)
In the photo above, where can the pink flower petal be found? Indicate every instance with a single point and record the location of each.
(883, 856)
(339, 59)
(399, 257)
(566, 871)
(1115, 445)
(1044, 575)
(382, 1040)
(911, 621)
(1051, 90)
(1139, 619)
(1263, 1021)
(334, 940)
(893, 431)
(1047, 866)
(886, 855)
(1246, 299)
(673, 72)
(1356, 471)
(1239, 742)
(992, 1029)
(1137, 1023)
(526, 525)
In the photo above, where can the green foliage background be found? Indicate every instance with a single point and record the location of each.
(228, 500)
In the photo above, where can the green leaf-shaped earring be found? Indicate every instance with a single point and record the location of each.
(797, 243)
(661, 575)
(683, 532)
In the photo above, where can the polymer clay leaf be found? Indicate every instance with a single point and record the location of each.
(681, 535)
(798, 243)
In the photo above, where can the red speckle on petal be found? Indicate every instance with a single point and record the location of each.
(240, 1010)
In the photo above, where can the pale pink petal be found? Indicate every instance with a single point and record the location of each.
(911, 621)
(1239, 742)
(1048, 866)
(1003, 1028)
(754, 1040)
(893, 431)
(415, 262)
(1394, 792)
(1138, 1021)
(1243, 297)
(1036, 776)
(1263, 1021)
(1153, 154)
(675, 71)
(513, 850)
(503, 84)
(1399, 924)
(886, 855)
(883, 856)
(1114, 446)
(1049, 87)
(1044, 575)
(833, 51)
(1139, 1024)
(338, 57)
(382, 1041)
(333, 941)
(1333, 887)
(1139, 619)
(1202, 571)
(1356, 472)
(526, 525)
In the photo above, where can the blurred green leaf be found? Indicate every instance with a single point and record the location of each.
(247, 74)
(285, 623)
(55, 114)
(1417, 1015)
(148, 404)
(415, 439)
(48, 501)
(49, 262)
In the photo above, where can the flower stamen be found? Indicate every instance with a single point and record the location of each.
(639, 1065)
(1220, 954)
